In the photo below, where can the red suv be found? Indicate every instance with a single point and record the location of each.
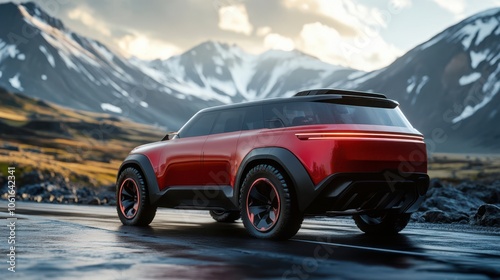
(272, 162)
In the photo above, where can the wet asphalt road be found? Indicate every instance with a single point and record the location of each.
(85, 242)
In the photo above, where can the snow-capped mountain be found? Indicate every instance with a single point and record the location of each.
(42, 58)
(448, 86)
(229, 74)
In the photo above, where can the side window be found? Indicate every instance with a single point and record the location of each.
(253, 118)
(274, 116)
(228, 121)
(198, 126)
(238, 119)
(290, 114)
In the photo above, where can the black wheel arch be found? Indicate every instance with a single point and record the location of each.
(288, 163)
(142, 163)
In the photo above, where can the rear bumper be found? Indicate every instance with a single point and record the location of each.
(350, 193)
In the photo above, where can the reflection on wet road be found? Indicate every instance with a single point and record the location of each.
(66, 241)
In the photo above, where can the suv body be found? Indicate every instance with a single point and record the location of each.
(274, 161)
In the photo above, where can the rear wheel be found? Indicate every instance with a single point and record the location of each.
(132, 202)
(382, 223)
(267, 207)
(225, 216)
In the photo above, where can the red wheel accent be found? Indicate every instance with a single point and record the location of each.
(263, 204)
(129, 198)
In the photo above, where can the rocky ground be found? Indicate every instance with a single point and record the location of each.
(51, 187)
(467, 202)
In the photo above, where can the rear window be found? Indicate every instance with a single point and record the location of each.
(309, 113)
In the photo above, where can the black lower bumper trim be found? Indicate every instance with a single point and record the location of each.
(370, 192)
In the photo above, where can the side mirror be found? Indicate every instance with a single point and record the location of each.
(170, 135)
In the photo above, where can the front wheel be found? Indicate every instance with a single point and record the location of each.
(387, 223)
(132, 202)
(268, 209)
(222, 216)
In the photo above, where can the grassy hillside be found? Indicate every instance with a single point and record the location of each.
(83, 147)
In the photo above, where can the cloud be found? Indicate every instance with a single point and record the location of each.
(87, 19)
(346, 12)
(278, 42)
(456, 7)
(364, 48)
(401, 4)
(362, 52)
(263, 31)
(145, 48)
(235, 18)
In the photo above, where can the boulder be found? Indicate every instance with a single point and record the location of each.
(487, 215)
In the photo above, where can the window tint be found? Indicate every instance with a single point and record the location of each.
(307, 113)
(238, 119)
(199, 125)
(228, 121)
(253, 118)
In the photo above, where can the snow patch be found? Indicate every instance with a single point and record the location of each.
(144, 104)
(67, 60)
(411, 84)
(102, 51)
(478, 57)
(468, 79)
(0, 74)
(44, 77)
(7, 50)
(49, 57)
(490, 88)
(477, 30)
(218, 70)
(422, 83)
(21, 56)
(416, 84)
(111, 108)
(486, 29)
(218, 61)
(15, 83)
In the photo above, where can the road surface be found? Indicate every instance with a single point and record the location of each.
(89, 242)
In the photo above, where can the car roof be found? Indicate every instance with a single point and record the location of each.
(311, 95)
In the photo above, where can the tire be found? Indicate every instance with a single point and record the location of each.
(388, 223)
(132, 201)
(225, 216)
(268, 209)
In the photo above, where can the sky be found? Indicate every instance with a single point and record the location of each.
(361, 34)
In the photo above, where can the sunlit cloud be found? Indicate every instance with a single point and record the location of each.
(263, 31)
(145, 48)
(365, 53)
(235, 18)
(87, 19)
(278, 42)
(363, 48)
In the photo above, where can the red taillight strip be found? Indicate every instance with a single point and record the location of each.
(336, 135)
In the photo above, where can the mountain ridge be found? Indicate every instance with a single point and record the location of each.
(447, 84)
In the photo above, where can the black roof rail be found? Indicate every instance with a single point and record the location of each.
(340, 92)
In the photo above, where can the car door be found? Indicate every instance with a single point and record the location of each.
(181, 159)
(219, 162)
